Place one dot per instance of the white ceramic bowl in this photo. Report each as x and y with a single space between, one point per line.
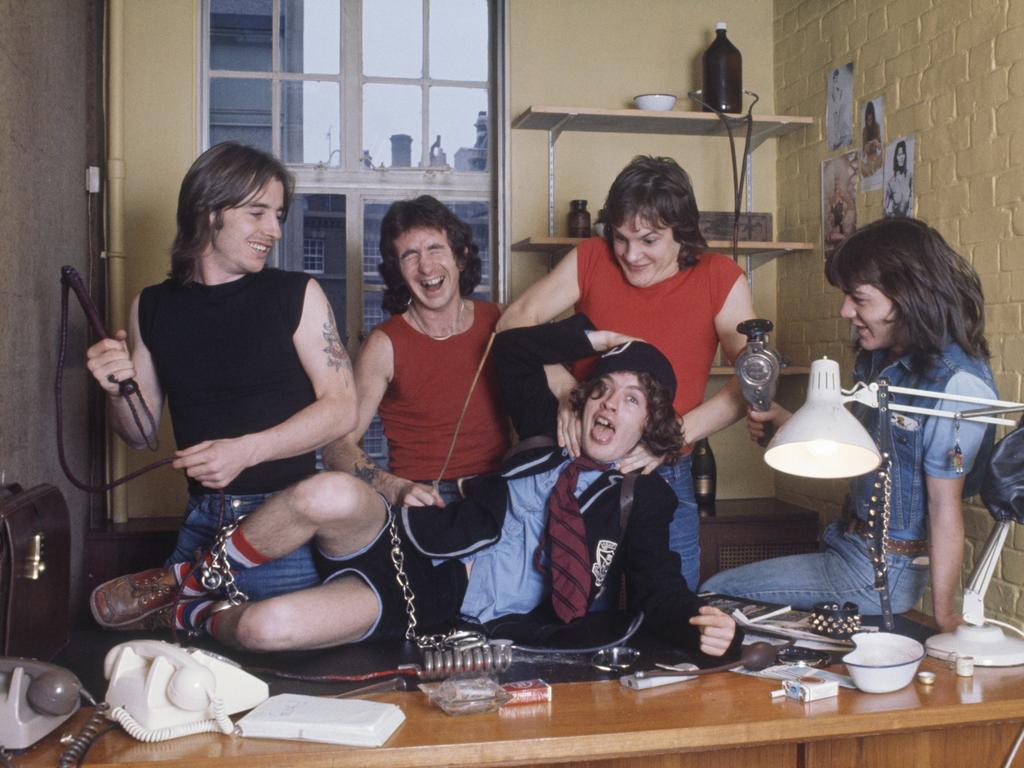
882 661
660 102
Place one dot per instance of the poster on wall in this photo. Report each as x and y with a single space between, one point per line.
898 199
872 144
838 195
839 107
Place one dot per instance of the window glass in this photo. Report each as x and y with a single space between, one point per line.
458 128
392 125
241 35
311 36
310 122
458 40
313 240
393 38
240 111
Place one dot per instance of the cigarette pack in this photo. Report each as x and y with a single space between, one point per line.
527 691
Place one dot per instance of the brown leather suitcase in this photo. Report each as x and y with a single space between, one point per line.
35 571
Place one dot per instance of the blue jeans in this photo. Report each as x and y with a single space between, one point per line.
840 572
290 573
684 530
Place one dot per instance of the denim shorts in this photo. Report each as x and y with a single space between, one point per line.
201 525
437 589
684 530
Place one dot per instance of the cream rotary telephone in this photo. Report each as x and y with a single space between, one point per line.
160 691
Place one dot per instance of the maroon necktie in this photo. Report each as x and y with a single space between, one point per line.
570 558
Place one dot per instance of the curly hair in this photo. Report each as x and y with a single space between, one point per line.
935 292
659 192
225 176
662 435
424 212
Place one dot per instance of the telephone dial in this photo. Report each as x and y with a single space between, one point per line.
160 691
35 698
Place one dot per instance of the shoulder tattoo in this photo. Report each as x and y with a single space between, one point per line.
337 357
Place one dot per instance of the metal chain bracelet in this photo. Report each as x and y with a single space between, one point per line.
217 574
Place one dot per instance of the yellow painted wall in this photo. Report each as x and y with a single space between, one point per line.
600 53
952 74
160 84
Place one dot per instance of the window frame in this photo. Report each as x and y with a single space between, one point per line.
360 185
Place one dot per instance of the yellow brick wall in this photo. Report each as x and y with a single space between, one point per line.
952 74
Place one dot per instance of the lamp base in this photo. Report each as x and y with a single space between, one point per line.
988 644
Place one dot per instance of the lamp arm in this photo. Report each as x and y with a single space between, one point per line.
984 569
867 394
963 415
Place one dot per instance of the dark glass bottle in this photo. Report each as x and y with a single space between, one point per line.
723 74
702 465
579 219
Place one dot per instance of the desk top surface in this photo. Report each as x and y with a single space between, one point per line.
598 720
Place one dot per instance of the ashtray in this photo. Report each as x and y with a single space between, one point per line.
621 658
466 695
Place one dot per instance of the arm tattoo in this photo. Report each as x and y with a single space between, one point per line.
337 357
368 472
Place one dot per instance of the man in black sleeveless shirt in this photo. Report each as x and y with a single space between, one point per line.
251 363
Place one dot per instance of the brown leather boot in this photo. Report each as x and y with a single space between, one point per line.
124 602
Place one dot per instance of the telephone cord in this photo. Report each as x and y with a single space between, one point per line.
220 722
72 755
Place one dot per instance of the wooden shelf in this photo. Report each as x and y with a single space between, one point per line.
559 246
594 120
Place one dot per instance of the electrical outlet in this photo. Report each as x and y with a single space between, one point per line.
92 179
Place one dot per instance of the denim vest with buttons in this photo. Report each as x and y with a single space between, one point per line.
908 517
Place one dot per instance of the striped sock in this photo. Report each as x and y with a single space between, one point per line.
191 615
240 553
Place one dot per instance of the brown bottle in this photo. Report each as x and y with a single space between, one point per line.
579 219
702 465
723 74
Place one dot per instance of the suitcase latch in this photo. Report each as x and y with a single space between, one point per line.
34 565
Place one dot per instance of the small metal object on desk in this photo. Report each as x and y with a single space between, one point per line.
621 658
924 677
396 683
965 666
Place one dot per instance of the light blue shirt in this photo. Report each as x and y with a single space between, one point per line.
504 579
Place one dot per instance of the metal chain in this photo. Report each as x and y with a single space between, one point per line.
455 639
217 574
398 559
886 495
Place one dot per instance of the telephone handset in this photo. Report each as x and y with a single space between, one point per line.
160 691
35 698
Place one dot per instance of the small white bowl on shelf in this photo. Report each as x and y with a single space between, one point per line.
883 661
659 102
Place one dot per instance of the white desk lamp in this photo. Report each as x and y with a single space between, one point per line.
824 440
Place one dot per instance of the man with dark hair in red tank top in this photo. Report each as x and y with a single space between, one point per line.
416 368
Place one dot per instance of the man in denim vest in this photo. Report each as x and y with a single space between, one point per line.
918 312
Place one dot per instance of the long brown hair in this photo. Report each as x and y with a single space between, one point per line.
659 192
936 294
224 176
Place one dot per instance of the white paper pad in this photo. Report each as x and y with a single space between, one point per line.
355 722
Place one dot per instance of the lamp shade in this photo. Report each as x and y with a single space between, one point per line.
823 439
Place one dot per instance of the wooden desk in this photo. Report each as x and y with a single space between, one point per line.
721 720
